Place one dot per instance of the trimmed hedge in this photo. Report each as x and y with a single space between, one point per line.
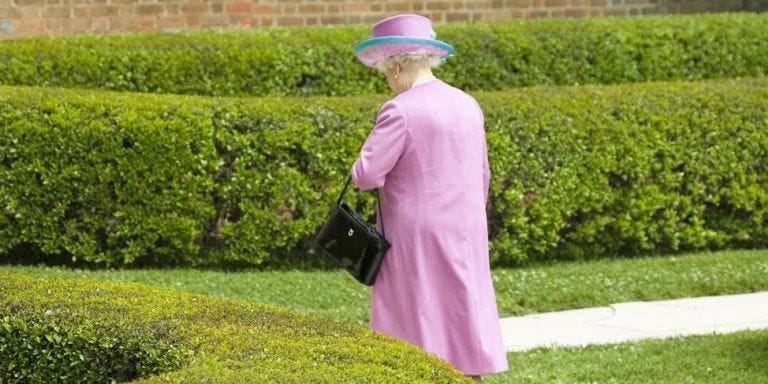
75 331
578 172
319 60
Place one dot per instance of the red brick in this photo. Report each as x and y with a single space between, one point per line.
31 2
357 7
217 7
190 7
171 22
577 12
651 11
617 11
439 6
458 5
9 13
29 12
398 7
120 24
311 8
193 19
290 20
31 25
457 17
76 24
150 9
54 24
477 5
518 3
241 19
56 11
147 22
495 16
537 14
555 3
267 22
99 24
103 10
333 8
214 20
238 7
310 21
328 20
80 12
266 9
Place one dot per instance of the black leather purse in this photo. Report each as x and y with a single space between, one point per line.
352 242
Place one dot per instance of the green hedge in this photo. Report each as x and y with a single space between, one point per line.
578 172
76 331
319 60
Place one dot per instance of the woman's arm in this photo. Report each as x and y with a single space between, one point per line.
382 148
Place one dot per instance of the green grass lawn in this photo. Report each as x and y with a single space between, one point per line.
735 358
519 291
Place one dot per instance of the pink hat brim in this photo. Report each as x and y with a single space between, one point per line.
371 55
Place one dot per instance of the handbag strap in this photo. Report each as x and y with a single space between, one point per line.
378 203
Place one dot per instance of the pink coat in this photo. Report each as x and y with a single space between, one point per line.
427 155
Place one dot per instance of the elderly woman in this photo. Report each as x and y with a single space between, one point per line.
427 157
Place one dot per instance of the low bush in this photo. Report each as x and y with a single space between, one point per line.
75 331
316 61
578 172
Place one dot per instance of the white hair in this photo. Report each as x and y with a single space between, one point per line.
417 59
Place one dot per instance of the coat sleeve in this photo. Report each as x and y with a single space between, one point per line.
486 165
486 171
382 148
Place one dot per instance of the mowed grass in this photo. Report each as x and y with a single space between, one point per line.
740 357
735 358
519 291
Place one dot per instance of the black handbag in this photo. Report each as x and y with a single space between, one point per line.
352 242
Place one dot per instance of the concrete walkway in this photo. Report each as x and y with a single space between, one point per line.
637 320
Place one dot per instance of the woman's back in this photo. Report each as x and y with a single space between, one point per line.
443 162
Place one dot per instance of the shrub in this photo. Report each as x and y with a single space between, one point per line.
317 61
74 331
578 172
105 181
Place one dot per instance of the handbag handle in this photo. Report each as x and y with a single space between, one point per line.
378 203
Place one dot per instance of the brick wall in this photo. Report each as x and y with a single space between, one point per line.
45 17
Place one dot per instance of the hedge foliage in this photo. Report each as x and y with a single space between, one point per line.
76 331
319 60
578 172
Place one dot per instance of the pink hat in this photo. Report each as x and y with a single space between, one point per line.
400 34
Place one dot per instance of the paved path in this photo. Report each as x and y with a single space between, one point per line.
637 320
